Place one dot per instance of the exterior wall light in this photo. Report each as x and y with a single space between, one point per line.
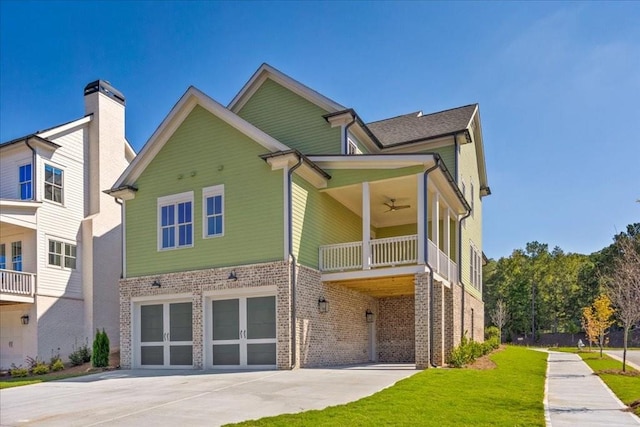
232 276
156 284
369 316
323 305
25 319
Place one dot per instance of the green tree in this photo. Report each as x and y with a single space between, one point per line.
100 357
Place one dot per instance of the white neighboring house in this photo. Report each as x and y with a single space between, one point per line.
60 235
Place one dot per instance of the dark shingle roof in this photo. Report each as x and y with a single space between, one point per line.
416 126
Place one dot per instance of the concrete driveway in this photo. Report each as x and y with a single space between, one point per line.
190 398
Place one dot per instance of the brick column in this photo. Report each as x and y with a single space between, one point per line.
125 325
449 322
283 315
197 321
438 323
422 320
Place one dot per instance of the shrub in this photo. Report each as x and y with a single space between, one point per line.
41 368
32 362
57 365
468 351
491 332
80 354
18 371
101 349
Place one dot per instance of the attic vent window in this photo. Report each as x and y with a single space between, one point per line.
352 148
419 114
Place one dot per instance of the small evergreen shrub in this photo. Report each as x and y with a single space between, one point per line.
18 371
57 365
41 368
101 349
80 354
468 351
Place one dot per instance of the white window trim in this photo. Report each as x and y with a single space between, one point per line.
214 190
65 242
172 200
44 183
352 145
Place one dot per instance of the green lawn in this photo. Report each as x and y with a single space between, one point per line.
511 394
9 382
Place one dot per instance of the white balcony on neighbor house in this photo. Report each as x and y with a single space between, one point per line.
384 253
17 286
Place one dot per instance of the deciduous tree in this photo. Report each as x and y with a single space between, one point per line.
597 319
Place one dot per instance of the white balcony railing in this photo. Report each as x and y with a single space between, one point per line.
17 283
343 256
393 251
387 252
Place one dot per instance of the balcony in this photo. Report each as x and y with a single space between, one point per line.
17 286
385 253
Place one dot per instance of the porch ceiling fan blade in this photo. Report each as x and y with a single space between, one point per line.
393 207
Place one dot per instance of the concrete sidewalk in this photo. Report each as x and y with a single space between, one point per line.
577 397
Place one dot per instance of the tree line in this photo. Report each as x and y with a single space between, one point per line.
536 290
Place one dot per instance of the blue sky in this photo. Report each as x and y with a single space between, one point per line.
558 84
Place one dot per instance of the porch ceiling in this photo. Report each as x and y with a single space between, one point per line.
380 287
403 190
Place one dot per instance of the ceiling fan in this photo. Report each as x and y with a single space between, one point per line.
393 207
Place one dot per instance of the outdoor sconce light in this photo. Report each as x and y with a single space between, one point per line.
156 284
323 305
369 315
232 276
25 319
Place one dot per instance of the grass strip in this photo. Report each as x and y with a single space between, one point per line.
511 394
17 382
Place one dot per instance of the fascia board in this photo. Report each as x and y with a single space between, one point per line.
379 161
174 119
266 71
66 127
305 171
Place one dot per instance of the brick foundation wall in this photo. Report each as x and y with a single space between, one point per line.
194 285
338 337
395 329
422 290
473 308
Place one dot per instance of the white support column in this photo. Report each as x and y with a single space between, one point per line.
435 227
447 239
422 231
366 227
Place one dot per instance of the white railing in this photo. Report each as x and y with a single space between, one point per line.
343 256
393 251
17 282
387 252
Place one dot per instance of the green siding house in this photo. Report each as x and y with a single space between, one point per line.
283 231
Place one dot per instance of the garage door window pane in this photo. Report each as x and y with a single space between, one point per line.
226 354
151 328
261 317
180 355
261 354
152 355
226 319
180 328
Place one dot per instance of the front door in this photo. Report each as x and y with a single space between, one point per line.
165 335
242 332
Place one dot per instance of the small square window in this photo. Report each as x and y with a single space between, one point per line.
53 184
62 254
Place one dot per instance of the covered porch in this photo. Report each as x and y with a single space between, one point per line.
406 221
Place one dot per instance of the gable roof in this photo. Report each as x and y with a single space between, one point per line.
174 119
266 71
414 127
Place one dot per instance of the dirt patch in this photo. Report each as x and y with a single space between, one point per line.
483 363
114 363
619 372
634 406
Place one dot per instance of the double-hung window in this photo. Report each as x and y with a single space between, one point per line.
16 256
175 221
62 254
53 183
213 211
25 182
3 257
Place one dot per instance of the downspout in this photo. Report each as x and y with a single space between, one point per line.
460 270
34 169
293 260
425 178
346 134
122 237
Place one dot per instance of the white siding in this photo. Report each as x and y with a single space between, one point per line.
10 160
